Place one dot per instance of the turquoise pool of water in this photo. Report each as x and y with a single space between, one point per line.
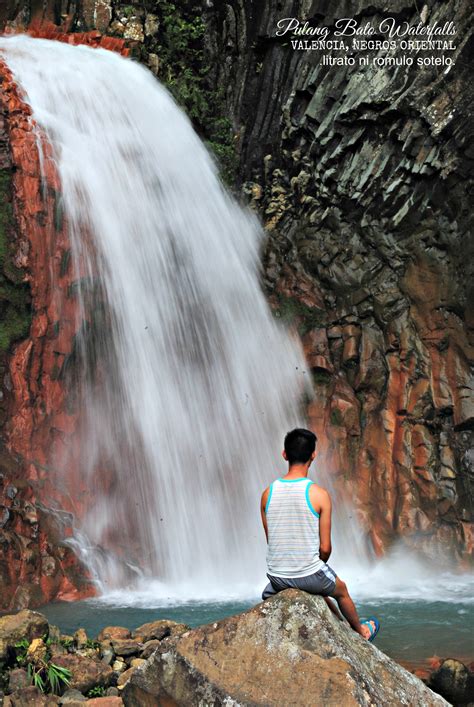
411 632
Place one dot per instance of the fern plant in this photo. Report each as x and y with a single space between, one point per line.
21 649
36 678
49 677
57 677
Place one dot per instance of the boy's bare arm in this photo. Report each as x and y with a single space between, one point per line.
321 502
263 503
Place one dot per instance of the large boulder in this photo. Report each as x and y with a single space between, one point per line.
25 625
289 650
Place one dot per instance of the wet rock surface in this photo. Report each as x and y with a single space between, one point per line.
35 564
279 652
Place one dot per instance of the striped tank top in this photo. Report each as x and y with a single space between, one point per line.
293 529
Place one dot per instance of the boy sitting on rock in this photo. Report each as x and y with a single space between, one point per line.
296 516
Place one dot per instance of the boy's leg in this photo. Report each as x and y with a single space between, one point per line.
275 585
348 610
333 608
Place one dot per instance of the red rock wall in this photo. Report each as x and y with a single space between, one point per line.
40 426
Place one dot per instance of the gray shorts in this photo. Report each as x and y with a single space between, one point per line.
321 582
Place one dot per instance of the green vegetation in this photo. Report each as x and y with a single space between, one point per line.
336 418
57 676
21 649
185 72
321 377
66 641
294 312
36 678
49 677
45 675
97 691
127 11
14 294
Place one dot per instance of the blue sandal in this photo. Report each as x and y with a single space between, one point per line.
373 631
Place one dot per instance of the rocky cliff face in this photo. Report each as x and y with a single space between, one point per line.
362 178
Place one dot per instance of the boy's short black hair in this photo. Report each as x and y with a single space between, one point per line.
299 445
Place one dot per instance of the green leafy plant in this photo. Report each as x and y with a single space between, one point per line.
48 642
21 649
91 643
49 677
97 691
180 45
57 677
36 678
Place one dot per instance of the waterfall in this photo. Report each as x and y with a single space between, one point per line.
187 382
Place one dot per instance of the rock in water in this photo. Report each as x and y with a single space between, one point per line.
289 650
455 681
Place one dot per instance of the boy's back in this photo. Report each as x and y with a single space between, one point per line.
293 529
296 516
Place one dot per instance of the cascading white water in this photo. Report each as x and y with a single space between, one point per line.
198 381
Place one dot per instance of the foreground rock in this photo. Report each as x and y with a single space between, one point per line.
96 670
157 630
86 673
30 697
26 625
289 650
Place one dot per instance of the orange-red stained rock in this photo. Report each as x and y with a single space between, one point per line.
38 420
